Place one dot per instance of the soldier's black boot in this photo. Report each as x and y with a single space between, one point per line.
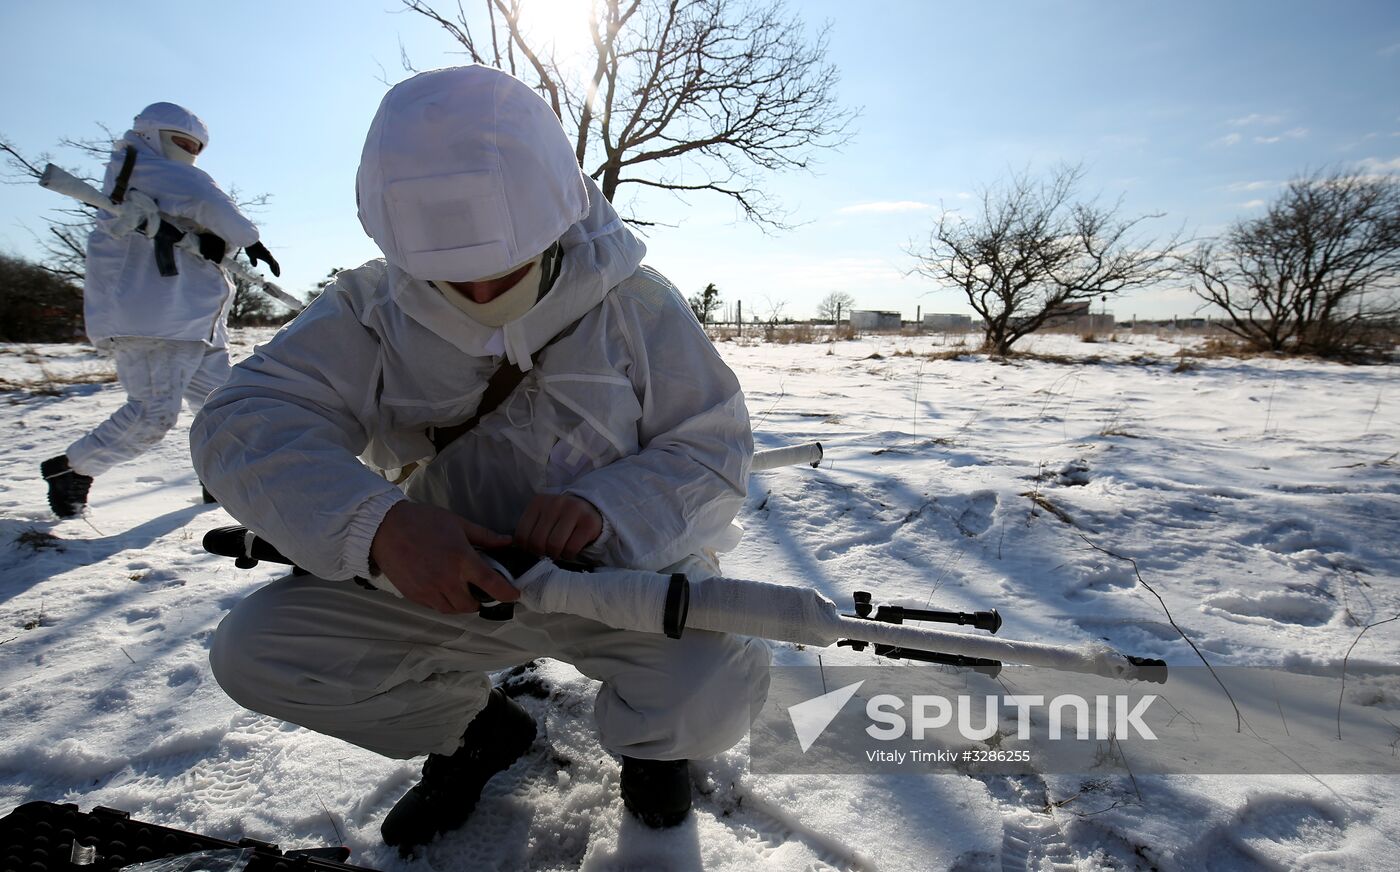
656 792
68 490
499 735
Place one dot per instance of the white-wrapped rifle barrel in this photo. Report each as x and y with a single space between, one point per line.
809 453
63 182
651 602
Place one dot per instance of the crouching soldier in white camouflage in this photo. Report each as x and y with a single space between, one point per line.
552 393
162 311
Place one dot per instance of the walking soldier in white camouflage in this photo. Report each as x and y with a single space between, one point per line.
160 310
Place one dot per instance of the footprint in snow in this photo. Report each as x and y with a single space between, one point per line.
1275 832
1099 578
1295 535
230 777
1290 607
976 519
183 675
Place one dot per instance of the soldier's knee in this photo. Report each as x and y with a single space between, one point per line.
153 421
723 683
234 654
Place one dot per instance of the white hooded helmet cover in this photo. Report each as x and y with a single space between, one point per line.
466 172
168 116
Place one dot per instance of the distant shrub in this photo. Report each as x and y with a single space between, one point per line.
37 305
787 334
254 308
956 352
1225 346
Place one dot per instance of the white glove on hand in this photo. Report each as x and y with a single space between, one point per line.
134 209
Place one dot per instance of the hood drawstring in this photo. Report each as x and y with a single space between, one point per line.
529 391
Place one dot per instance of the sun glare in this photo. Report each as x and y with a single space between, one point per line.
562 24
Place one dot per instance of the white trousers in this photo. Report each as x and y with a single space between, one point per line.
403 680
157 374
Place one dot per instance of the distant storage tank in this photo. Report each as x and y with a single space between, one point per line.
948 323
870 319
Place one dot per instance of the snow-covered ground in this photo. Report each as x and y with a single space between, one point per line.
1259 497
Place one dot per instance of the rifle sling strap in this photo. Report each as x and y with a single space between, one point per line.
124 177
166 237
500 386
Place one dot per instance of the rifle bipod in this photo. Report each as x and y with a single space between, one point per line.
989 621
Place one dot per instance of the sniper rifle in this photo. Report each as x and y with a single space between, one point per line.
651 602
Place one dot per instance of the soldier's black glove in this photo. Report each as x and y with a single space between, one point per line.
257 251
212 246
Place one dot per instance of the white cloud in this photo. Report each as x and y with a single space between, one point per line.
1251 186
1232 139
1253 204
1376 165
883 207
1390 50
1295 133
1255 118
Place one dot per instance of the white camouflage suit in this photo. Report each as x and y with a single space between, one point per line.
632 410
167 334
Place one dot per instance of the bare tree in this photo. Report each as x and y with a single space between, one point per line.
1035 251
676 95
65 244
773 310
1316 273
705 303
834 305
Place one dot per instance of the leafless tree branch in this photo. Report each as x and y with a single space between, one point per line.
682 95
1318 273
1034 251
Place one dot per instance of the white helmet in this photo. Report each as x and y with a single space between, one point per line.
466 173
160 123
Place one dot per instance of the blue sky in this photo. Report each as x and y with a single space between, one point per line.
1196 109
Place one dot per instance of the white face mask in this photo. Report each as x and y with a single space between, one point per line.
507 307
174 151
